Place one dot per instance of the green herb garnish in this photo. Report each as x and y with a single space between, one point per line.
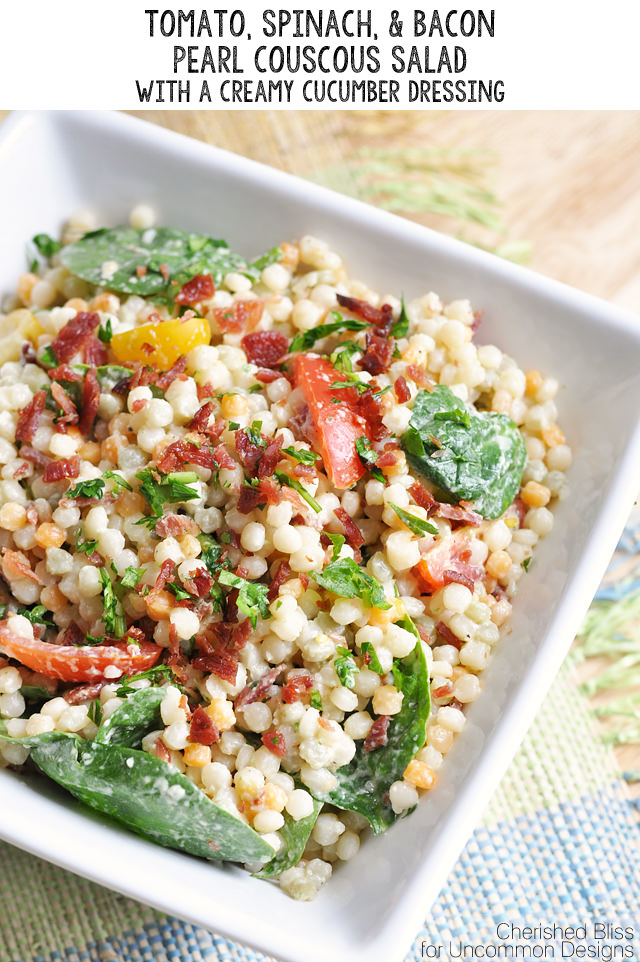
113 612
160 489
252 595
304 494
87 489
305 340
345 666
347 579
369 457
416 525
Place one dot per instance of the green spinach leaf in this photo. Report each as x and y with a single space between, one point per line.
133 719
295 836
363 784
348 580
470 456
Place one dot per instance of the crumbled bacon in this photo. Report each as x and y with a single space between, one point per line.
90 402
447 635
388 458
200 421
352 532
67 468
424 498
29 417
199 288
240 316
186 452
401 389
39 458
135 635
369 408
74 334
304 470
459 577
274 740
173 525
379 316
199 586
94 352
377 736
16 565
265 348
163 381
28 353
219 646
65 404
378 354
444 690
164 270
80 693
202 729
270 458
248 451
64 372
458 512
167 569
72 635
258 691
419 375
297 684
265 492
161 751
266 376
222 457
301 423
281 575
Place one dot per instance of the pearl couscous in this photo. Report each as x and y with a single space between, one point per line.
260 527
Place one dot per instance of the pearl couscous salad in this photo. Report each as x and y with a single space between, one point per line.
260 527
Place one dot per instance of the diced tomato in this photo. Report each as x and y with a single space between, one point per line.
336 422
67 663
450 556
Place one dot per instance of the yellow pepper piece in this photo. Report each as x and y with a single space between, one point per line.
161 344
16 328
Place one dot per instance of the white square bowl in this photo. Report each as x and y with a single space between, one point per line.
54 163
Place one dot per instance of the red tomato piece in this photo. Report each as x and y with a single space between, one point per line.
337 425
67 663
440 564
199 288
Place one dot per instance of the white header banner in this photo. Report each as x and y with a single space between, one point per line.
505 54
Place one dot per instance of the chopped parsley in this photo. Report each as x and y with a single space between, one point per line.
401 326
416 525
119 483
369 457
252 595
48 357
87 489
95 711
304 456
351 380
370 658
113 612
305 340
106 333
132 577
346 668
347 579
179 591
38 615
337 540
156 675
304 494
316 699
160 489
526 563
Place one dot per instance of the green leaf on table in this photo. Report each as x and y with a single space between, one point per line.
469 455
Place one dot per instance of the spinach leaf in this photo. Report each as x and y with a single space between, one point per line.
345 666
147 795
363 784
46 245
295 836
162 252
348 580
133 719
469 455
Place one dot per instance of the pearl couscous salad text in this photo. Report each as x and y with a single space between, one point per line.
260 527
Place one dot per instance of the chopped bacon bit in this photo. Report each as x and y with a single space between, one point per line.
352 532
266 376
379 316
274 740
164 270
141 270
388 459
29 417
240 316
222 457
199 288
450 574
64 373
220 646
377 736
200 585
28 353
73 635
258 691
401 388
32 514
419 375
270 458
73 335
186 452
264 493
200 420
136 635
205 391
478 317
162 381
424 498
304 470
301 423
138 405
203 729
16 565
448 636
296 685
141 377
69 410
249 452
265 348
80 693
94 352
378 354
63 468
519 510
161 751
90 402
22 471
457 512
39 458
369 408
167 569
281 575
173 525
